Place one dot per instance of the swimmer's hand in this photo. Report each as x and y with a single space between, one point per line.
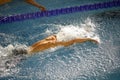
42 8
95 41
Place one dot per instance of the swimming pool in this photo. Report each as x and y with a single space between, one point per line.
86 61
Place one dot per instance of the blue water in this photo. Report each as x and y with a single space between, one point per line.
86 61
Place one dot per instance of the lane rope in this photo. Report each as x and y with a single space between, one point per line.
56 12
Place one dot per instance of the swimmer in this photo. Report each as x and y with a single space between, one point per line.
51 42
32 2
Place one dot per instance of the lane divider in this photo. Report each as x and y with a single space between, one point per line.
56 12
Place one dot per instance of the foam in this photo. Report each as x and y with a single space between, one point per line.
5 51
9 58
86 30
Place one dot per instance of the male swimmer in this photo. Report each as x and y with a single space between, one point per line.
52 41
32 2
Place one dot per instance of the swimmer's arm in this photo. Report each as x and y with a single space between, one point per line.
32 2
4 1
68 43
38 43
84 40
40 47
45 41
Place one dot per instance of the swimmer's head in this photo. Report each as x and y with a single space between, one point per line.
19 51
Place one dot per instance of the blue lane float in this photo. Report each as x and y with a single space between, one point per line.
56 12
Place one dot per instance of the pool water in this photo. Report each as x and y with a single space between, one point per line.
82 61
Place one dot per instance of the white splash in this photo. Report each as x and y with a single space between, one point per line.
8 60
86 30
6 51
